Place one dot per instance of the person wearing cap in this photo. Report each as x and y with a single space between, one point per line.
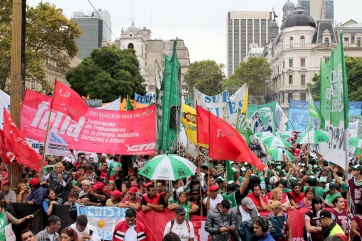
152 200
9 195
114 199
95 196
220 223
60 181
355 186
213 198
37 194
329 226
130 229
131 200
234 195
322 183
332 192
180 226
258 198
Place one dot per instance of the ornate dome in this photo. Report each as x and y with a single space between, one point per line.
132 29
289 4
299 18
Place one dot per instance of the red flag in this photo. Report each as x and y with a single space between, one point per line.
68 101
202 121
3 152
16 145
225 143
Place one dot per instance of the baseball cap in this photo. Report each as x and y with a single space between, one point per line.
5 182
243 169
322 179
297 152
357 167
147 184
98 186
116 193
248 202
323 214
82 156
246 164
213 188
34 181
330 186
180 210
133 190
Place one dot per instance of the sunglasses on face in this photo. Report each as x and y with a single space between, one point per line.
182 214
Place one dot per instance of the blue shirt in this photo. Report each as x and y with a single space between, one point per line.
267 237
38 195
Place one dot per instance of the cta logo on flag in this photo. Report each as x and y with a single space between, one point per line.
68 101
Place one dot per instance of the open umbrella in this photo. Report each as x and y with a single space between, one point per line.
355 144
262 135
168 167
284 134
275 142
278 153
316 136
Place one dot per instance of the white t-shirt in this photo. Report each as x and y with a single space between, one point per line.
245 216
130 234
181 230
51 236
95 236
214 202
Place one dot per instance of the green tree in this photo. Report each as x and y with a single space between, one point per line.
354 75
206 76
49 38
107 73
256 72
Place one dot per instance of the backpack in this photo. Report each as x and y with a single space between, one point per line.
276 226
187 225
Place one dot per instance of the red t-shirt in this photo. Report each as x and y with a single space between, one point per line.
256 200
137 201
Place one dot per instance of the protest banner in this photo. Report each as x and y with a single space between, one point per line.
262 117
144 99
215 104
105 131
298 116
4 104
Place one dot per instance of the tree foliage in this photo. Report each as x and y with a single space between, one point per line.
206 76
256 72
354 80
108 73
49 38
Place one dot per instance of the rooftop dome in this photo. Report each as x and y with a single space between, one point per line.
132 29
299 18
289 4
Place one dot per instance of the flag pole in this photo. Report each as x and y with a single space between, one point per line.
208 166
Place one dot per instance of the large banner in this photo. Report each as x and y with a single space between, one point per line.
262 117
144 99
128 132
298 116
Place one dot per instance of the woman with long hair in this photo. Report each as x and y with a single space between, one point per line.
313 228
114 199
183 202
68 234
307 201
125 187
278 195
50 200
22 192
340 213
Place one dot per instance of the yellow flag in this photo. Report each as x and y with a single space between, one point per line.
188 118
244 108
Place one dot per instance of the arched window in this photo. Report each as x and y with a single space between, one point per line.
326 42
130 46
291 41
302 41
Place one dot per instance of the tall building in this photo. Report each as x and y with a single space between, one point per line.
245 30
94 30
319 9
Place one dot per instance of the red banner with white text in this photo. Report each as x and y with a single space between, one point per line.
106 131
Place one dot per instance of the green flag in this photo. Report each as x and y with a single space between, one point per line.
315 115
334 106
229 172
171 104
128 104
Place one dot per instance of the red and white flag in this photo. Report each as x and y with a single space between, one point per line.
17 147
225 143
3 151
68 101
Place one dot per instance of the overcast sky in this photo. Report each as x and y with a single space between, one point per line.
200 23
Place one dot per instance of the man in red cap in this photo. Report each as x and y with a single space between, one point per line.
152 200
9 195
131 200
95 196
37 194
213 198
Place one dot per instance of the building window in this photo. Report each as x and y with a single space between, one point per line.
32 84
302 41
283 64
346 42
302 62
290 97
302 79
358 42
291 41
326 42
290 79
302 97
130 46
290 63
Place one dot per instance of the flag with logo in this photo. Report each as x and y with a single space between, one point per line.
315 117
17 147
171 103
68 101
334 107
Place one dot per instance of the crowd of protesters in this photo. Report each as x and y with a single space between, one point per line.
233 208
